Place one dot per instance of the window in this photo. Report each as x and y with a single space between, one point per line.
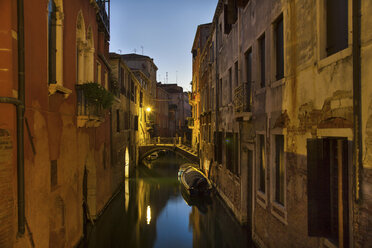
328 189
279 169
53 175
136 122
218 147
236 155
261 47
230 85
261 163
227 21
141 99
118 120
99 77
248 86
52 43
336 26
122 81
229 148
132 90
279 48
236 74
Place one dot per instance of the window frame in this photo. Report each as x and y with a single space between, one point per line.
261 197
275 76
261 43
277 209
322 58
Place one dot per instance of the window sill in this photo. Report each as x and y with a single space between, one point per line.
57 88
334 58
261 199
280 212
278 83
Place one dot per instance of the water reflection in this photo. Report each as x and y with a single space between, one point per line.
151 212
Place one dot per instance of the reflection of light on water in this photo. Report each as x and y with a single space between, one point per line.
148 216
126 194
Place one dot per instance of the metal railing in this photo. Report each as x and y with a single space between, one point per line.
85 107
243 97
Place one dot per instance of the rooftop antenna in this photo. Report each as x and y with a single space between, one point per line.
142 49
166 77
119 51
135 50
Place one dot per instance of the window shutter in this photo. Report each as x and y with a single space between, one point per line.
227 25
345 190
318 188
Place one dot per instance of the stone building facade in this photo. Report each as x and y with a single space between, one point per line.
290 120
56 170
162 111
179 110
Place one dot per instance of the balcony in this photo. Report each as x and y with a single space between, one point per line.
190 122
243 100
104 5
89 114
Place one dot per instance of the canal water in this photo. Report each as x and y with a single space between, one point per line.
151 211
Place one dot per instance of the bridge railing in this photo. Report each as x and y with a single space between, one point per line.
167 141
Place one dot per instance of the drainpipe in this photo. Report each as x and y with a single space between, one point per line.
357 100
20 103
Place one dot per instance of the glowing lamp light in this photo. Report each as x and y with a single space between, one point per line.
148 215
148 109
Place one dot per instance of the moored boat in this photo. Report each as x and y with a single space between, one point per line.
194 181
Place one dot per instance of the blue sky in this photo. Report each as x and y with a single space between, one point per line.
164 28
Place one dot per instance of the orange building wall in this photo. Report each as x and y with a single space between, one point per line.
54 215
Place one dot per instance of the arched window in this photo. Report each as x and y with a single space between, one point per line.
52 43
80 49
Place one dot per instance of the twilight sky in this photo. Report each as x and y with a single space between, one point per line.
164 28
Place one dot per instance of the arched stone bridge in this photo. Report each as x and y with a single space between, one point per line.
182 150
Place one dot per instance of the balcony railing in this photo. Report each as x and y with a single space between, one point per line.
105 18
243 98
89 113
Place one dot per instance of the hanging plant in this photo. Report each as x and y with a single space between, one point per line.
97 94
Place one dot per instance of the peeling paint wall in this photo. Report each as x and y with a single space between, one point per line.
314 99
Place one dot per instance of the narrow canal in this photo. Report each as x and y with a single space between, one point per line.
150 211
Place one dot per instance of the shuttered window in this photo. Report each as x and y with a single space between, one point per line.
229 148
337 25
279 169
261 163
327 187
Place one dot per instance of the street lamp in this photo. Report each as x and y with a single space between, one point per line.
148 109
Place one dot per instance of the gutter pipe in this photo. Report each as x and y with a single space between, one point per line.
20 108
357 99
